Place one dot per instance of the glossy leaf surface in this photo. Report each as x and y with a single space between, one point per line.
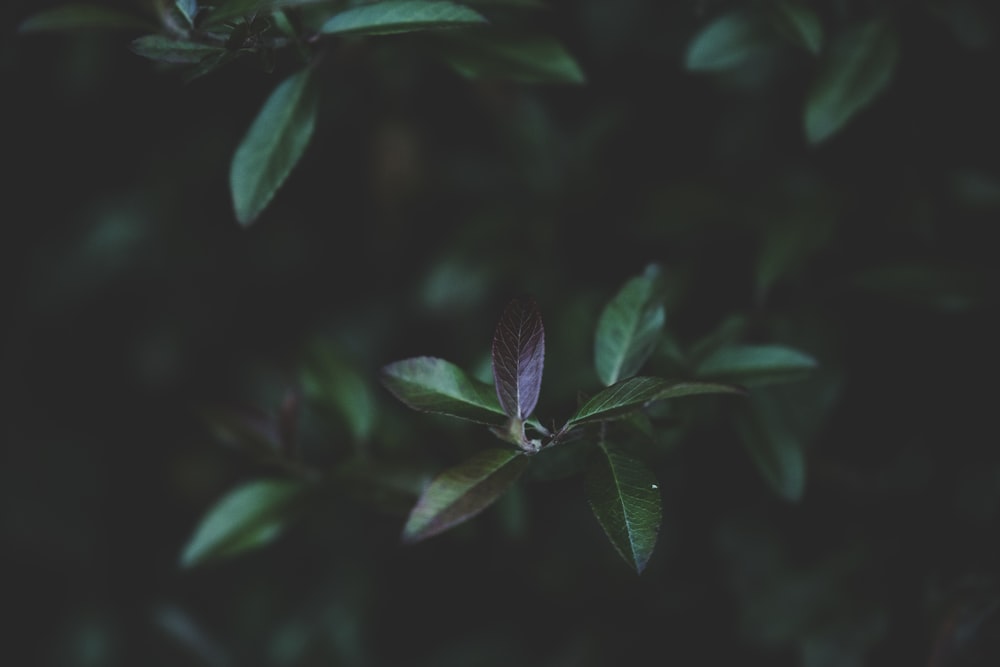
461 492
430 384
628 330
625 498
621 398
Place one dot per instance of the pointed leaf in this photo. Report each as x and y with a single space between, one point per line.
859 66
461 492
625 498
394 16
798 23
628 329
188 9
273 145
430 384
209 64
520 58
518 357
247 517
83 17
619 399
727 43
775 449
168 50
756 364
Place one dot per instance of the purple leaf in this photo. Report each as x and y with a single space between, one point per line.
462 492
518 357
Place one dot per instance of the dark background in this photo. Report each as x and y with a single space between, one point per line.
424 203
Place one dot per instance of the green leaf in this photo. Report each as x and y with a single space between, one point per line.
798 23
461 492
209 64
727 43
429 384
247 517
83 17
625 498
188 9
520 58
628 329
332 382
395 16
621 398
167 50
775 448
755 365
273 145
859 66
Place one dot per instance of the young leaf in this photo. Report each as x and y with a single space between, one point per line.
429 384
188 9
248 517
798 23
518 357
755 364
624 496
774 447
726 43
273 145
619 399
395 16
83 17
859 67
520 58
461 492
628 330
168 50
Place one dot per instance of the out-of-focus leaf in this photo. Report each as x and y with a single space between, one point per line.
227 10
331 381
395 16
518 358
797 22
392 489
625 498
788 244
944 288
248 517
968 20
520 58
209 64
188 9
628 329
630 394
247 429
168 50
273 145
776 450
430 384
83 17
727 43
755 365
859 65
461 492
728 332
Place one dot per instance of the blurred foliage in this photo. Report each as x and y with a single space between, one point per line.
138 310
